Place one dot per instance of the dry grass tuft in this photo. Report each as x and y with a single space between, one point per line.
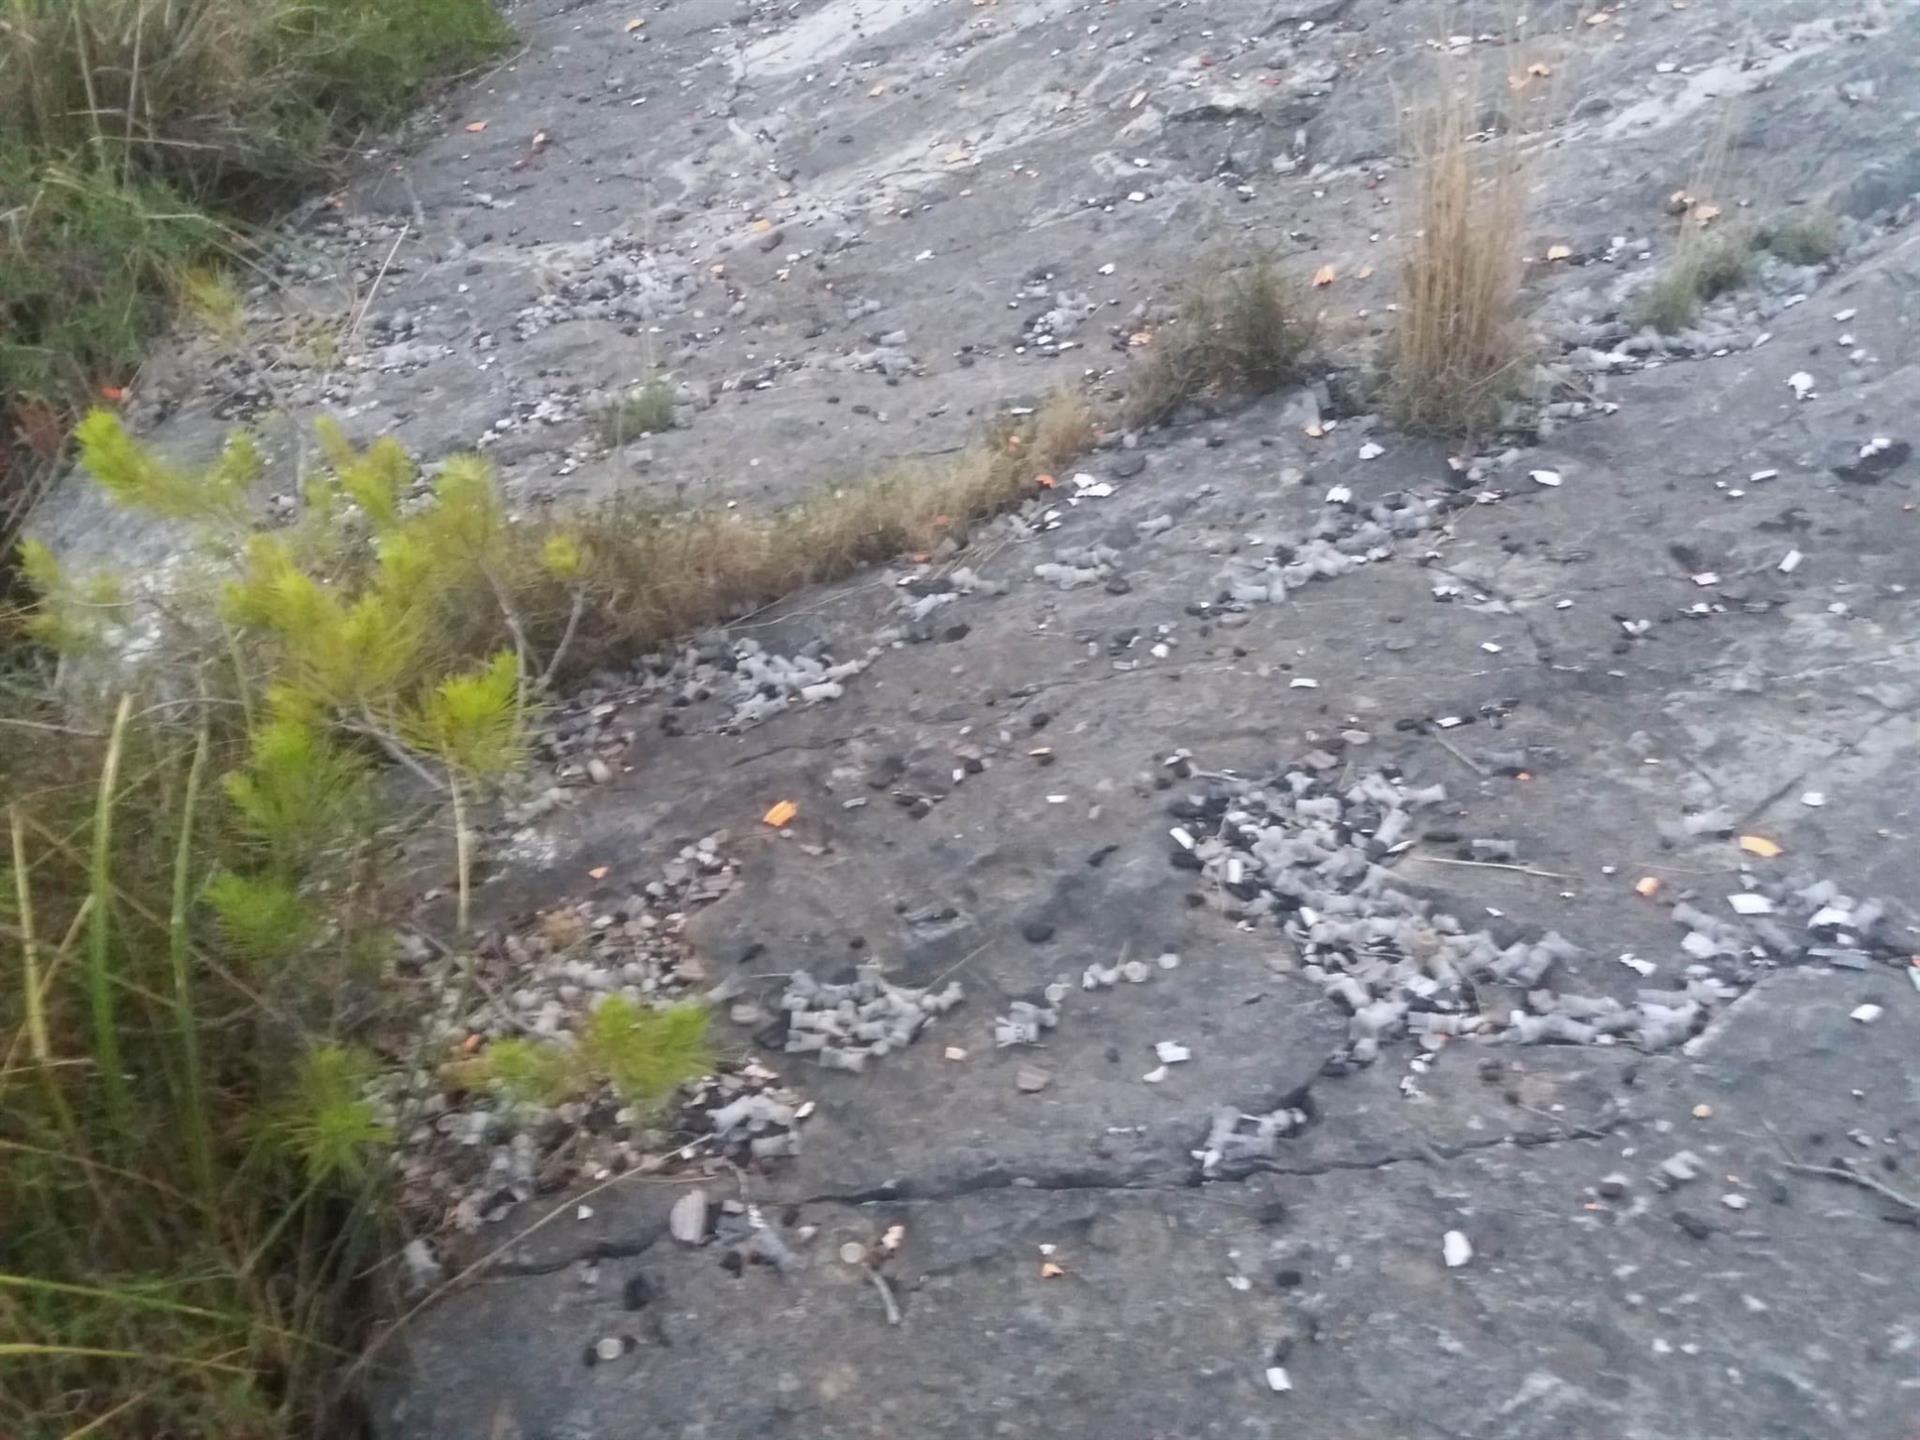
1241 332
648 577
1459 349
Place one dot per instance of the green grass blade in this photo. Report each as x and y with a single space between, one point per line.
39 1047
106 1031
90 1352
193 1094
131 1299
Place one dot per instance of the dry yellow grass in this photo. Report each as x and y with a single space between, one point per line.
650 577
1458 349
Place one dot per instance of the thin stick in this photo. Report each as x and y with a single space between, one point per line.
1835 1172
974 953
1854 1177
1459 754
1585 1132
446 1286
1489 865
886 1295
395 751
374 289
566 638
463 853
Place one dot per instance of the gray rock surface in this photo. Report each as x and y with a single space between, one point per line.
1611 678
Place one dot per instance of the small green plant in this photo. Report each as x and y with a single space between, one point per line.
214 302
642 1053
326 1118
189 1154
1805 237
1243 331
1704 267
647 411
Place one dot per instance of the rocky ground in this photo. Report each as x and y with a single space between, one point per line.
1449 919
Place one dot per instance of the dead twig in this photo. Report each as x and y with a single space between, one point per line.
447 1286
886 1296
1585 1132
374 290
1854 1177
1842 1174
1489 865
1457 753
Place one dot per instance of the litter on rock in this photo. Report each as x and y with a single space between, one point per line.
1747 903
1866 1014
781 815
1759 845
1455 1249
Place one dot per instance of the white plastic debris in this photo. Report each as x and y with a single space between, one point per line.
424 1270
1814 799
1802 384
1371 451
1455 1249
1155 1075
1747 903
1300 682
1790 562
1172 1052
1706 578
1278 1380
687 1221
607 1348
1866 1014
1548 478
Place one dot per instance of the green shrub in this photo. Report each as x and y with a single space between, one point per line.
90 264
190 1161
1806 237
1703 268
644 1054
647 411
217 97
136 136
